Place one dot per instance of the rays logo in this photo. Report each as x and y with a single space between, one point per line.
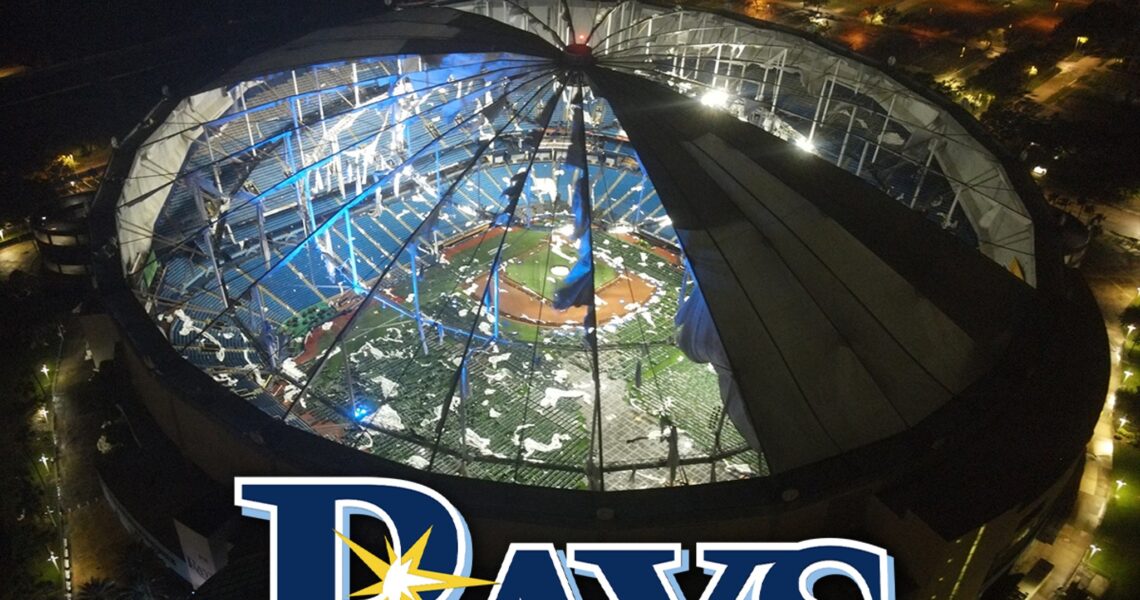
428 553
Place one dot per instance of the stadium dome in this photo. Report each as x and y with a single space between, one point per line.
579 245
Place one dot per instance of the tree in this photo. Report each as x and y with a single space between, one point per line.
100 589
144 577
1130 316
143 588
1109 27
24 587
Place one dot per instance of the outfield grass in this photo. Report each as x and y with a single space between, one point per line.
501 411
438 281
532 270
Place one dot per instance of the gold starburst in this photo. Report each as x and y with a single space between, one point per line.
400 578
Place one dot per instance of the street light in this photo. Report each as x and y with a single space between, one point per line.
44 369
1093 549
1130 328
1081 41
1123 422
1127 374
1119 484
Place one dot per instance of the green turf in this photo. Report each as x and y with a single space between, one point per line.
533 270
1116 535
504 411
529 244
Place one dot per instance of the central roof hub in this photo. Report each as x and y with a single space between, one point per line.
578 55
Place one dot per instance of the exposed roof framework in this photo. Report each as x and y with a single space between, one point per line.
476 248
839 108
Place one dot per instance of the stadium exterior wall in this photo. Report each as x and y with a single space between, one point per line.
204 425
225 436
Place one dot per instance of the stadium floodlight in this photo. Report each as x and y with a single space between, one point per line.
805 145
715 98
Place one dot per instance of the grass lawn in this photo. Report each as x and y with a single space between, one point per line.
1117 536
533 269
47 570
44 478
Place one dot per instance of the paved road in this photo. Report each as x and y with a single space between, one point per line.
21 256
98 540
1120 220
1072 71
